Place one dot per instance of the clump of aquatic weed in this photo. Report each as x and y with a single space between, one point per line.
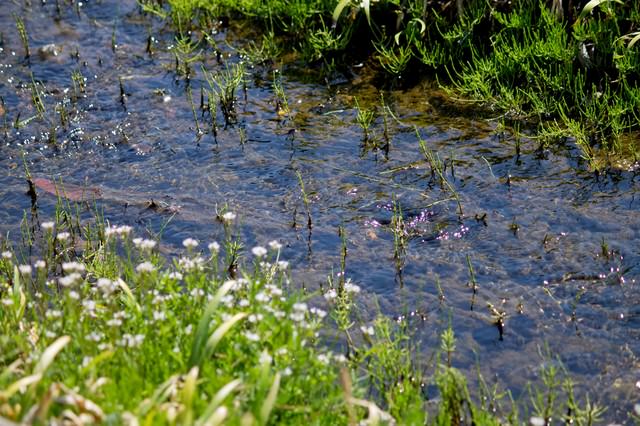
570 71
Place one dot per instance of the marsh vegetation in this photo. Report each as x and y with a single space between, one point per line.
278 212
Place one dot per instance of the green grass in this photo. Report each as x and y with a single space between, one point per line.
99 326
566 75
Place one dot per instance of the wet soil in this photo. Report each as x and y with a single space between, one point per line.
532 225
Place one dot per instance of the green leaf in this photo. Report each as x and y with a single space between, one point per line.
270 400
338 10
220 332
592 5
634 40
202 330
50 354
214 411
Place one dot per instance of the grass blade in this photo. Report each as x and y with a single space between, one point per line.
50 354
203 325
592 5
220 332
270 401
187 394
338 10
128 298
217 418
20 385
634 40
212 410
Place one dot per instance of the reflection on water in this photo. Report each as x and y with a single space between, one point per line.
532 227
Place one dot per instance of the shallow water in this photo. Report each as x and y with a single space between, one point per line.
549 275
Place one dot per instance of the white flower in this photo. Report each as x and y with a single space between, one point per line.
259 251
40 264
243 303
63 236
229 216
25 269
283 265
300 307
114 322
190 243
275 245
73 267
262 297
331 295
106 286
74 295
124 230
191 264
145 267
274 290
318 312
70 279
47 226
7 255
349 287
214 247
53 313
94 336
121 231
296 316
131 341
188 329
367 330
287 371
265 358
144 244
253 318
340 358
197 292
159 315
110 230
175 276
252 337
323 358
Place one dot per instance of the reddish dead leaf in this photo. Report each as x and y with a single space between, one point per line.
68 191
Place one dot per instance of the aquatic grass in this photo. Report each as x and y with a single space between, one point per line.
281 102
305 200
438 169
569 69
199 132
24 37
223 86
400 239
364 118
186 53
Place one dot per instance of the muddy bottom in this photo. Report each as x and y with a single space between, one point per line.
551 246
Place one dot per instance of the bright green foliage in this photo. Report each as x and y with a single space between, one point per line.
571 73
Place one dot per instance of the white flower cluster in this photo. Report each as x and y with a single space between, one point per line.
118 231
144 244
145 268
190 243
